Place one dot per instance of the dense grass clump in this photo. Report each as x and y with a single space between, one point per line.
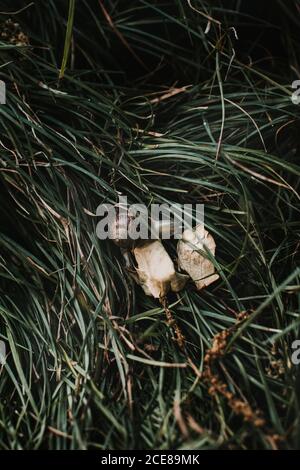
162 101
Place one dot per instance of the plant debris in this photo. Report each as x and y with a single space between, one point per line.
12 33
216 386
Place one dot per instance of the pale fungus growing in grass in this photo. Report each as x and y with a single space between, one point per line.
154 269
194 251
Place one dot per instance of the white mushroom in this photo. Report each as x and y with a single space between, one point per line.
155 270
196 264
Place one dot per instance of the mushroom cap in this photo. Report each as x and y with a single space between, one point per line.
156 271
198 265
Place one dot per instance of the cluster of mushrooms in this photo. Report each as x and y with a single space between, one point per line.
151 266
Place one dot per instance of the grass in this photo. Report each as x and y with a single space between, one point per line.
162 103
